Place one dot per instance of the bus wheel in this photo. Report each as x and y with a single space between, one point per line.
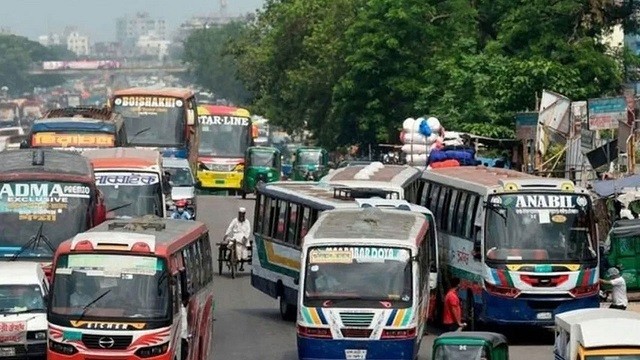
287 311
470 312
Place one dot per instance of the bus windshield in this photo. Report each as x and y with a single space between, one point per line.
613 357
224 140
7 113
111 286
56 210
153 125
20 299
539 227
180 176
131 194
342 276
262 158
310 158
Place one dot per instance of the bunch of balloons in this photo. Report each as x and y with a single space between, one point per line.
419 137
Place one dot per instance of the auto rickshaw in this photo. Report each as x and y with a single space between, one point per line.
261 164
310 164
470 345
624 250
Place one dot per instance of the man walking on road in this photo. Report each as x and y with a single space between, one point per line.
452 315
619 289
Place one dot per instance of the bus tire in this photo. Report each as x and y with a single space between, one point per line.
470 312
287 311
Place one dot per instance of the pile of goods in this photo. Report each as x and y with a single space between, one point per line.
425 143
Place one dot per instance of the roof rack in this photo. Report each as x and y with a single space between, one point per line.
349 193
91 112
139 224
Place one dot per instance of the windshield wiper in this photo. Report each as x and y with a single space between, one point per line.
86 307
29 311
119 207
140 132
34 243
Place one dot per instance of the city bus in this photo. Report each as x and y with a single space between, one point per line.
118 289
132 181
285 211
404 180
76 129
225 134
524 247
160 118
341 314
46 197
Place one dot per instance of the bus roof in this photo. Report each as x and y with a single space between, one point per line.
484 179
167 91
162 236
393 204
207 109
352 176
173 162
73 124
88 112
55 162
393 226
122 158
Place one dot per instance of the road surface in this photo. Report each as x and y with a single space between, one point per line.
248 324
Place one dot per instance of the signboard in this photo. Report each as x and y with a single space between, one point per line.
348 255
526 125
605 113
57 140
223 120
13 332
126 179
39 201
148 101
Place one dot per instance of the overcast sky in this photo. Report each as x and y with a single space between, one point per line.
97 18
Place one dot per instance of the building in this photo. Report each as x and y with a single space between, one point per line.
50 40
204 22
148 45
130 28
106 50
78 44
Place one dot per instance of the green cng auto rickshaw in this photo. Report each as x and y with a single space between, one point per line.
261 164
624 250
310 164
470 345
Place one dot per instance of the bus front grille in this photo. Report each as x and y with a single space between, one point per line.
106 342
356 319
356 333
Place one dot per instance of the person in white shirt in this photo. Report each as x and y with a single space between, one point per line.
619 289
184 330
238 233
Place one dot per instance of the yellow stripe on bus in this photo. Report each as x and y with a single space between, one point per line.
274 258
399 317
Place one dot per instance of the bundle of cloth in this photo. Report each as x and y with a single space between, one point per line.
420 137
452 155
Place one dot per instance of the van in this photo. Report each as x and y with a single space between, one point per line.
23 310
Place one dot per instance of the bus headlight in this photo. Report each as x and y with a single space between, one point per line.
151 351
62 348
37 335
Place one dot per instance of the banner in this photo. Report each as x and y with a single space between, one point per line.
148 101
13 332
126 179
223 120
605 113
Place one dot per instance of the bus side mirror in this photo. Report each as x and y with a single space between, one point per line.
191 117
24 144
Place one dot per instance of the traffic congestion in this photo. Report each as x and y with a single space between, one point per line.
320 180
120 222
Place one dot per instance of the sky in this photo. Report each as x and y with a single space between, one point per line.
97 18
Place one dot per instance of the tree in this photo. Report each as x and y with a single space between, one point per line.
210 63
17 54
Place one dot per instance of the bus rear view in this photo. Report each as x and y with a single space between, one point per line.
364 288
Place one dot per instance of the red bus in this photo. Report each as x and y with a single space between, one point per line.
118 291
46 197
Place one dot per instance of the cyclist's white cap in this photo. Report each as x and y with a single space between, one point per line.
242 210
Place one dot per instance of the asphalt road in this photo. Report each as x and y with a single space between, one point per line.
248 324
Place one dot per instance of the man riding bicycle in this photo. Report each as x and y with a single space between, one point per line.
238 233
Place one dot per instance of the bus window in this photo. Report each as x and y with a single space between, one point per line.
434 192
461 217
304 223
206 257
424 193
291 226
442 208
281 226
273 219
451 214
472 206
258 213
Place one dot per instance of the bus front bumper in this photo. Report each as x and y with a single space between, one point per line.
531 310
316 349
35 349
220 180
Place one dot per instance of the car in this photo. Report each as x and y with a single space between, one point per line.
183 184
23 309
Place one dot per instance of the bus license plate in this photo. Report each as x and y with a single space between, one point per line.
544 316
7 351
352 354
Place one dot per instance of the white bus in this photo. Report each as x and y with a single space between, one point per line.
393 181
524 247
285 211
341 314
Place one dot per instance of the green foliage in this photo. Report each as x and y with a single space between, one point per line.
352 70
211 65
17 54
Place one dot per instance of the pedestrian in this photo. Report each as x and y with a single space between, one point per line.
452 314
618 289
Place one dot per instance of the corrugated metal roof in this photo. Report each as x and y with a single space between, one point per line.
368 223
169 230
483 175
